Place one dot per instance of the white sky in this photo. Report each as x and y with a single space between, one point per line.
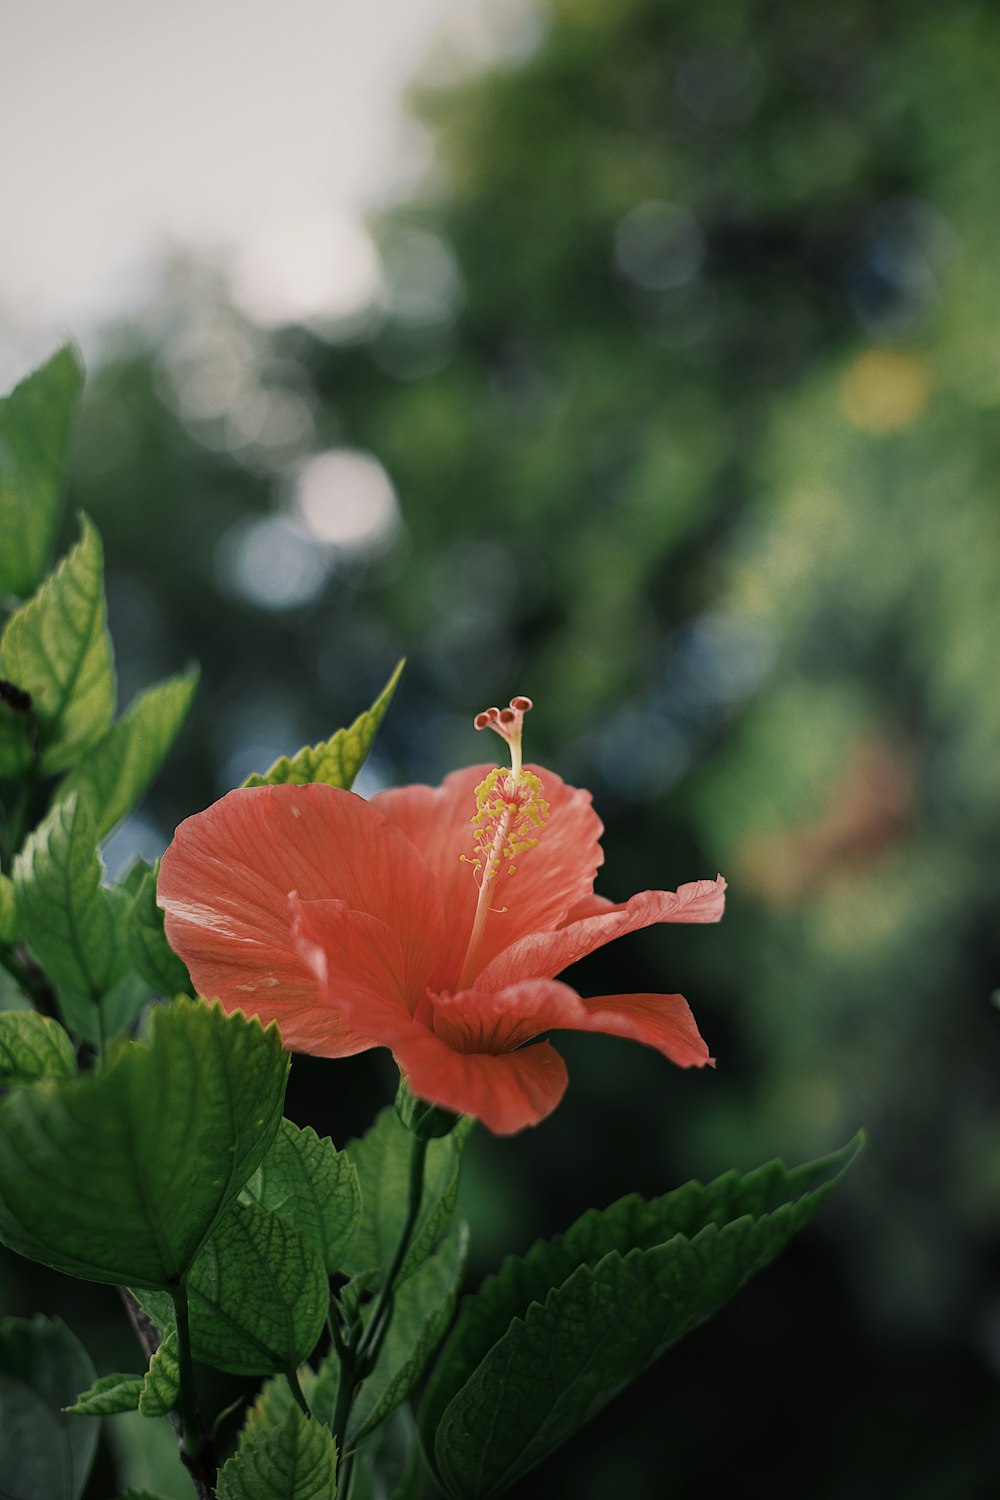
252 129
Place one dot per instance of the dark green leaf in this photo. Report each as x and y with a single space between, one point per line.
544 1345
337 760
258 1295
162 1380
382 1157
149 950
107 1396
114 774
46 1454
122 1176
313 1186
421 1312
57 649
31 1047
36 421
295 1460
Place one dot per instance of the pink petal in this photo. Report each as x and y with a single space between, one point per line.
473 1021
550 879
507 1091
226 878
545 954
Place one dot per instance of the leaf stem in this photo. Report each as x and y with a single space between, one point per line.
187 1396
292 1376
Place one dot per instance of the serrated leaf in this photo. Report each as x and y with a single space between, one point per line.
68 918
382 1157
122 1176
149 951
296 1460
57 648
45 1452
10 917
338 760
114 774
36 421
306 1181
495 1409
258 1295
319 1387
107 1396
162 1380
421 1311
32 1047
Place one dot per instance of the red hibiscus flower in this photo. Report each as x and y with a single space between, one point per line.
430 920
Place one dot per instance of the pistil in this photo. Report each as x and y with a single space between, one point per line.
510 813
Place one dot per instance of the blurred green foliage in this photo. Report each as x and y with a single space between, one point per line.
684 374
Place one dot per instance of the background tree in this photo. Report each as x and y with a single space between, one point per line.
684 378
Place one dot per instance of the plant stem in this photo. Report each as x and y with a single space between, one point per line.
371 1341
358 1361
202 1467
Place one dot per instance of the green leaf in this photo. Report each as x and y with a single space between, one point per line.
10 917
36 422
306 1181
57 648
119 1006
107 1396
421 1311
382 1157
122 1176
258 1295
547 1343
114 774
68 918
295 1460
162 1381
140 1495
338 760
32 1047
149 950
45 1452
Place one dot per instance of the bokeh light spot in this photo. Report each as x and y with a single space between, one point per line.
346 498
658 245
885 391
271 562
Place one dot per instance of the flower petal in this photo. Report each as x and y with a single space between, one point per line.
550 879
472 1021
225 881
359 969
506 1090
545 954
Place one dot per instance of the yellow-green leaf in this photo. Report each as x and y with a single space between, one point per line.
57 649
338 760
114 774
33 1047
